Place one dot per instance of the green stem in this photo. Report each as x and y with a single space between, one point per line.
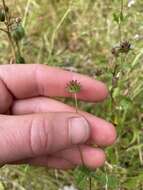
90 183
76 103
79 148
120 24
80 151
18 48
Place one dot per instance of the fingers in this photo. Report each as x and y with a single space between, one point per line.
5 98
92 157
38 134
70 158
47 161
24 81
103 133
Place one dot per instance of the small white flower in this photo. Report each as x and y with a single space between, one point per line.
137 37
69 188
131 2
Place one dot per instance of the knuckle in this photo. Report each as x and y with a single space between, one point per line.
39 135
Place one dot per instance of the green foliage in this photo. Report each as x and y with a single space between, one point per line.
82 176
111 182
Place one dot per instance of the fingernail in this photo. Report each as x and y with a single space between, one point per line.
79 130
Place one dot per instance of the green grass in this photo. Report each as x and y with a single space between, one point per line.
80 34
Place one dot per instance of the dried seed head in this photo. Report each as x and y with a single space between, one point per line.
125 47
73 87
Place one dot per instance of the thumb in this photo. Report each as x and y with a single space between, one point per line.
38 134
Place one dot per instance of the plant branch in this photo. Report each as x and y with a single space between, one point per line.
7 24
3 30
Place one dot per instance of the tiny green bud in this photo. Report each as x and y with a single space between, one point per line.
18 33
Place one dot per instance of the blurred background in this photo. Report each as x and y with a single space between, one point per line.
91 37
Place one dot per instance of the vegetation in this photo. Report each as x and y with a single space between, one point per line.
104 40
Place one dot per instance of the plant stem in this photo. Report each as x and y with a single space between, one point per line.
114 82
120 24
7 24
3 30
76 106
80 151
90 183
18 48
76 103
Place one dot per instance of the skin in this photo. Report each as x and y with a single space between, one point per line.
29 115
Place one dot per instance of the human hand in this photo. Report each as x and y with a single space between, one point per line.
38 130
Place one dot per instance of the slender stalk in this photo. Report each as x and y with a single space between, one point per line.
76 106
18 48
120 24
76 103
114 80
90 183
80 151
106 185
140 151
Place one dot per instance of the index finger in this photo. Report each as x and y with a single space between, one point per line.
25 81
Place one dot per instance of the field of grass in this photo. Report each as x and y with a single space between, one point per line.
81 35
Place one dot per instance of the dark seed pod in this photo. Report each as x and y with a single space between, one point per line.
6 9
20 59
115 51
125 47
2 15
18 33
